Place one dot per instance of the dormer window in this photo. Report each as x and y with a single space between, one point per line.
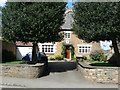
67 34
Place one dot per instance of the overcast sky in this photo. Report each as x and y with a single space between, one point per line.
2 2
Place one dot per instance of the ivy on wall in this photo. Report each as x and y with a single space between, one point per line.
72 50
63 50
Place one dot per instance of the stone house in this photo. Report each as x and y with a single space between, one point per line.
80 47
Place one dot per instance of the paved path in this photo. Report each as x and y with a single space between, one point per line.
63 79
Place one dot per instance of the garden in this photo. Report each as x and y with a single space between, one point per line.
98 58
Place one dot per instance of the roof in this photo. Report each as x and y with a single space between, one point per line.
68 20
19 43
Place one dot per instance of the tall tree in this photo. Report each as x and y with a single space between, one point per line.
0 22
33 22
95 21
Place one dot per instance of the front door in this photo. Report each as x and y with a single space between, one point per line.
68 53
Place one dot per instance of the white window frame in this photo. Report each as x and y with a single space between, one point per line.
66 34
46 45
84 48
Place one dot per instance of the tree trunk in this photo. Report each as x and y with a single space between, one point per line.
34 53
116 52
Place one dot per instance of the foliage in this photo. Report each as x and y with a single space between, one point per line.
14 62
63 53
36 22
33 22
59 57
102 64
72 51
98 55
95 21
56 57
51 58
74 59
0 22
84 58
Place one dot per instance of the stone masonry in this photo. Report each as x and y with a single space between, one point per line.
22 70
101 74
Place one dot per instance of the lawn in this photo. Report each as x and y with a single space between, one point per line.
14 62
101 64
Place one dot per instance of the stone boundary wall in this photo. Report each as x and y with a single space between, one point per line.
22 70
100 74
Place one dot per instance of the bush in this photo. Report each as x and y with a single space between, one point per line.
51 58
84 58
59 57
98 55
74 59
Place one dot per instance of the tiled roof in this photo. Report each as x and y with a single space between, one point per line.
68 20
19 43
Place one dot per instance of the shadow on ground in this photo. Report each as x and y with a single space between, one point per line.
61 66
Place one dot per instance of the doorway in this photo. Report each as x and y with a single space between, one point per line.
67 55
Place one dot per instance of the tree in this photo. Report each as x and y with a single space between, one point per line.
33 22
0 22
95 21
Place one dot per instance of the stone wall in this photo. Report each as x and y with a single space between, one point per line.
22 70
100 74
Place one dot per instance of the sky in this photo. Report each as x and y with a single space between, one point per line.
2 2
69 4
105 45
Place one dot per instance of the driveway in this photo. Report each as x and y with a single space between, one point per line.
62 75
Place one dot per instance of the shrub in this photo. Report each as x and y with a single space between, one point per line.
74 59
51 58
98 55
63 53
84 58
72 51
59 57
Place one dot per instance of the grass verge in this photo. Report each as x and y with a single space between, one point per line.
14 62
99 63
102 64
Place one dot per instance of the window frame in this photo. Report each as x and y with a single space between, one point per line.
85 48
67 34
48 46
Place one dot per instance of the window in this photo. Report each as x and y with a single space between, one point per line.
84 48
67 34
47 47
